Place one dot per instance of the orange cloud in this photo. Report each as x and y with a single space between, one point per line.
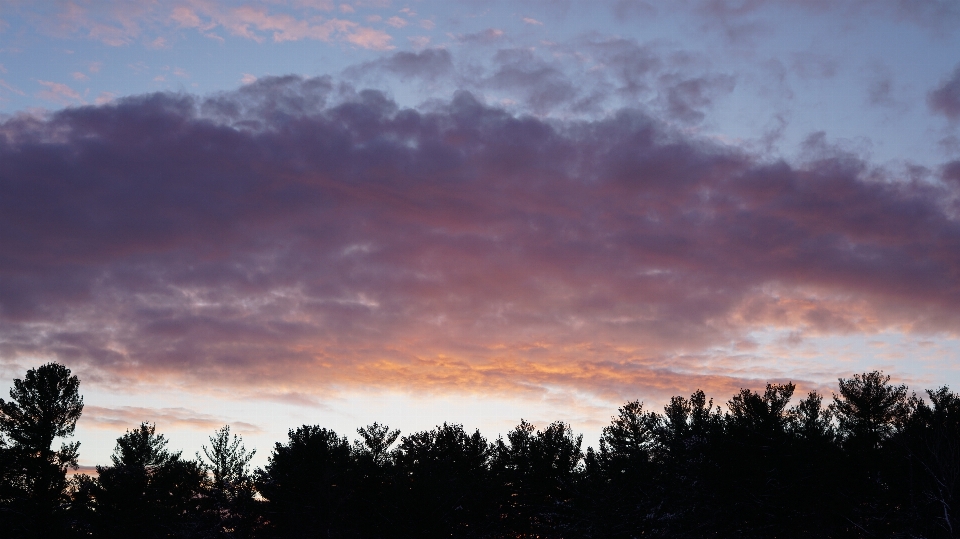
131 416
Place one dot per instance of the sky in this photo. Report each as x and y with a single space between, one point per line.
312 212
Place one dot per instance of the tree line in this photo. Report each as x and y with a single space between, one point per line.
875 461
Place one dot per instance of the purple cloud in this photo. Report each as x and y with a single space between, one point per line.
544 86
428 64
293 236
945 98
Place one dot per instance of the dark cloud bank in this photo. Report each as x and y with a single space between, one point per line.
299 234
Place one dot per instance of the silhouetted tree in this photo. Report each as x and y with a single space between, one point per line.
620 475
376 503
441 484
148 491
816 460
231 492
537 473
811 422
875 463
758 488
375 443
931 440
869 412
44 405
689 438
869 409
307 484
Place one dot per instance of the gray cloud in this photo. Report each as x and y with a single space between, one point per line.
945 98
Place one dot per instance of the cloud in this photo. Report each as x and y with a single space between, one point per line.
541 84
122 23
129 417
419 42
397 22
368 38
112 23
484 37
252 22
104 98
678 83
685 98
428 64
297 236
10 88
945 98
58 93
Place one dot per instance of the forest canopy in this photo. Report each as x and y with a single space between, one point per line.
873 460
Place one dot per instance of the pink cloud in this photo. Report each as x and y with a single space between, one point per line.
104 98
130 416
419 42
124 22
369 38
10 88
397 22
113 24
297 237
59 93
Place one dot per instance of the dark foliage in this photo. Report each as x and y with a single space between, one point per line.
43 406
875 462
148 492
308 484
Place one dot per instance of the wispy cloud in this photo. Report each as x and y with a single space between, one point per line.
59 93
130 417
397 22
124 23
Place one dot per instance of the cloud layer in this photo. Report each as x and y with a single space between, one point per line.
298 236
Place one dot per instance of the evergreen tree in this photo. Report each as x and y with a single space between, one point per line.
308 484
44 405
441 483
148 491
231 491
870 412
537 473
621 475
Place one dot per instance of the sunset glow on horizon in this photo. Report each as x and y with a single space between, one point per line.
306 212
